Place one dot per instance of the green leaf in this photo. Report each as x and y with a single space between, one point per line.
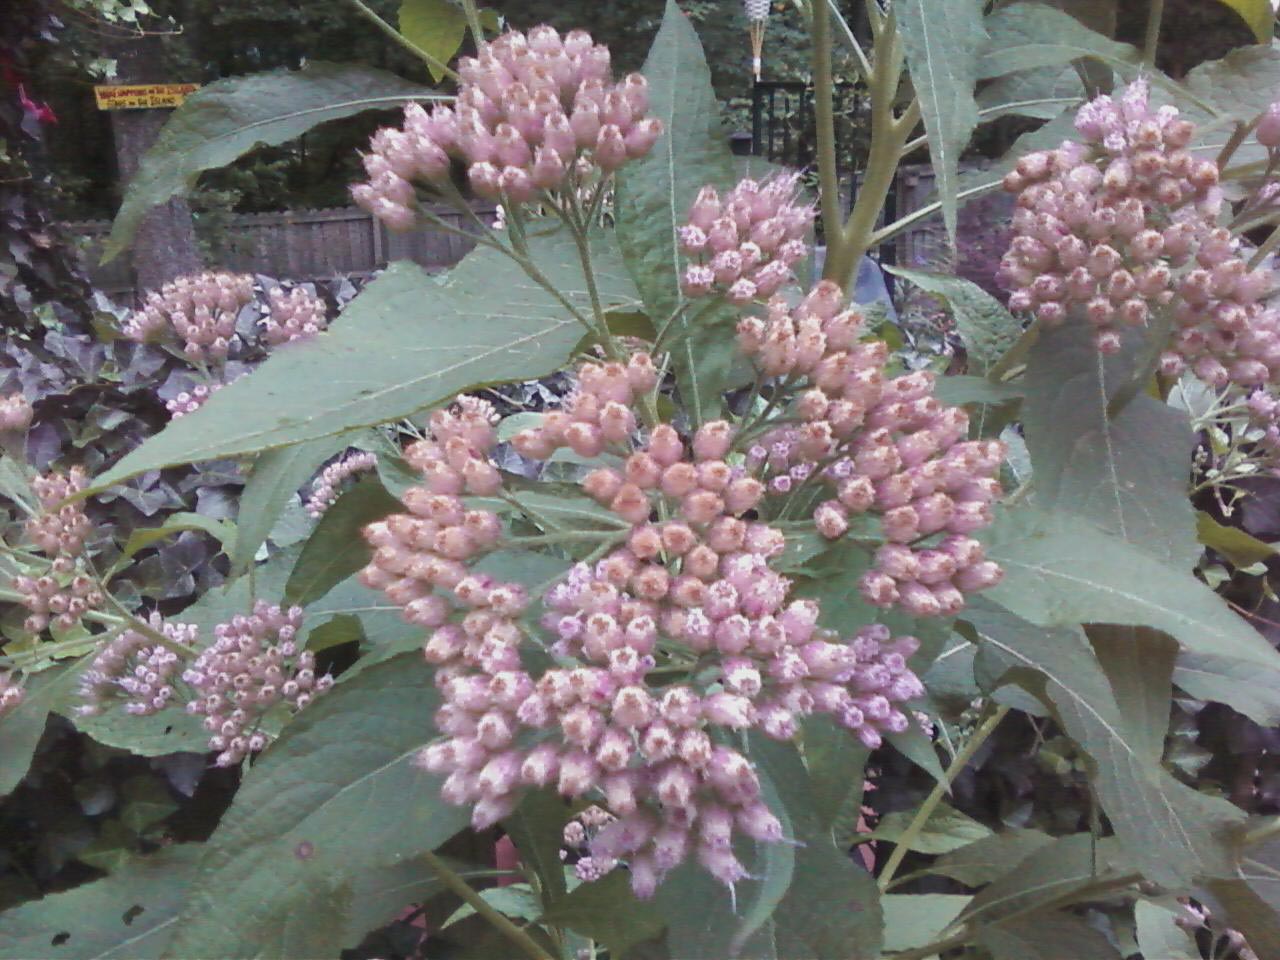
1025 36
836 761
404 345
919 749
337 795
608 912
772 872
1118 711
436 26
1159 934
1245 910
130 915
1047 936
276 476
1258 15
990 858
224 120
832 910
943 40
963 390
1059 572
1243 685
654 195
945 831
1235 545
336 550
1127 474
517 901
143 537
1042 94
536 828
24 725
1064 867
985 326
912 921
1238 87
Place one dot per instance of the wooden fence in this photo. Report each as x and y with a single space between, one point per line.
296 245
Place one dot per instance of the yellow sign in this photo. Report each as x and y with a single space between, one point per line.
143 96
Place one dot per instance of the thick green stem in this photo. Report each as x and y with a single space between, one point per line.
434 63
971 747
824 118
1155 14
528 946
473 21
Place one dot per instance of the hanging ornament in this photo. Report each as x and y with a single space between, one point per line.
757 18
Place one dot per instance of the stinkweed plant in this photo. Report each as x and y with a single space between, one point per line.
638 626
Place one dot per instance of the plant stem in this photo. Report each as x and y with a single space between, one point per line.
1155 14
852 41
502 924
824 118
473 21
439 67
1263 833
940 790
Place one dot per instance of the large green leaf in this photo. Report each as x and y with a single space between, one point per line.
1128 474
1042 94
1159 934
406 343
24 724
337 795
913 920
436 26
943 40
654 195
985 326
335 550
276 476
1065 867
1119 716
130 915
224 120
991 857
1060 572
1047 936
832 909
607 911
1025 36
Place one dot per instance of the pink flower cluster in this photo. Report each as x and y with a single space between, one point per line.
15 412
60 596
59 530
885 445
745 245
528 108
200 310
428 547
11 694
191 401
1124 228
296 315
695 592
254 664
136 669
324 494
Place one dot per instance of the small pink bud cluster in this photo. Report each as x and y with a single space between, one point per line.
134 668
745 245
577 836
1264 412
426 550
60 596
1124 227
886 445
200 310
598 414
296 315
15 412
254 664
528 109
696 591
191 401
11 694
59 530
324 494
